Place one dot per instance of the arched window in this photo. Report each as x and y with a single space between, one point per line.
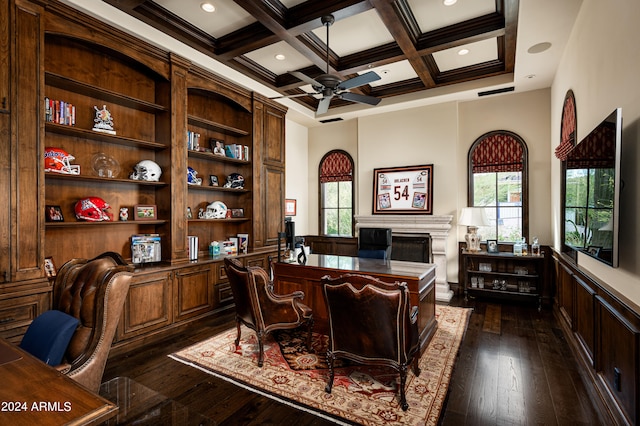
498 182
336 194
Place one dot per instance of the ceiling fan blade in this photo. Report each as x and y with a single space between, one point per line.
365 78
323 106
362 99
305 78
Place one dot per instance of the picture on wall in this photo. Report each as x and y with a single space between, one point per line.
403 190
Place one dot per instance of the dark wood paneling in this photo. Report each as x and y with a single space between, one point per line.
193 292
340 246
273 186
566 287
5 86
585 317
619 358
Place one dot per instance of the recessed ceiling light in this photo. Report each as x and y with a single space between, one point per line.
280 57
384 72
539 48
449 2
207 7
530 76
463 52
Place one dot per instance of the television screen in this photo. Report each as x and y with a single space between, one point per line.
592 189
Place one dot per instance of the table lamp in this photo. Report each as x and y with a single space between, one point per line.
472 218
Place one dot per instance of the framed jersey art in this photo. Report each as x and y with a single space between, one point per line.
403 190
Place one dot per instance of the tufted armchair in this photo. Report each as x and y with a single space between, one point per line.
260 309
371 322
93 291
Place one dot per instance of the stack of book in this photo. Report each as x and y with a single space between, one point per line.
193 141
237 151
59 112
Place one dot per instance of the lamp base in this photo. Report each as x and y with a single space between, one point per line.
473 239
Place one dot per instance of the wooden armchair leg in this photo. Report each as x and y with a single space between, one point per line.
261 346
238 336
330 359
403 381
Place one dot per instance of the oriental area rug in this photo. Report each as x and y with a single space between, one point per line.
360 395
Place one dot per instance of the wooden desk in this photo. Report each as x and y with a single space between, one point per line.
420 278
33 393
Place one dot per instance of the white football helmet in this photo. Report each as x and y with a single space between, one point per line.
146 170
216 210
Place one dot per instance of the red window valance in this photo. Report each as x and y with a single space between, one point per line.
498 152
568 136
336 167
596 151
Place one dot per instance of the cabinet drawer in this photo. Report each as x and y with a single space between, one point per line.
17 313
225 297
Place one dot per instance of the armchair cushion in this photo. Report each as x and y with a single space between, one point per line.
48 336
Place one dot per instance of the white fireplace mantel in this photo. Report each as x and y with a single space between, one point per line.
437 226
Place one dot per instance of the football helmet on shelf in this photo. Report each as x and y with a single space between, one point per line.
216 210
235 181
93 209
146 170
192 177
58 160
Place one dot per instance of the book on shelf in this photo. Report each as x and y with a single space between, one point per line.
59 112
243 243
145 248
193 141
237 151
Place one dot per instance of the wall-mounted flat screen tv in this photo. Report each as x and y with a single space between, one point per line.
592 192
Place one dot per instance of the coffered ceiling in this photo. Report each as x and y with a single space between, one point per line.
415 46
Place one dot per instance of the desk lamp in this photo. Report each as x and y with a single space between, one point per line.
472 218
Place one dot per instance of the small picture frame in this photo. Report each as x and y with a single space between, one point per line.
145 212
594 250
50 267
213 180
217 147
237 213
290 207
54 214
492 246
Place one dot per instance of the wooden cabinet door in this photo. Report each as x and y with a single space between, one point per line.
17 313
27 183
193 291
148 305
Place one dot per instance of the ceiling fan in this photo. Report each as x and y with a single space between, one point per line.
330 86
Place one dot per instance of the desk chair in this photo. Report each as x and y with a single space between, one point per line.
371 322
260 309
374 243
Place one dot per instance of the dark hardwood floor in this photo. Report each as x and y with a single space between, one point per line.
514 368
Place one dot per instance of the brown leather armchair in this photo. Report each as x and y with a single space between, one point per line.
93 291
371 322
260 309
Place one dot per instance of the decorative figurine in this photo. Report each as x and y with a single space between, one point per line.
124 214
103 121
189 214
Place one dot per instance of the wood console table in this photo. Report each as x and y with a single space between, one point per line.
33 393
420 278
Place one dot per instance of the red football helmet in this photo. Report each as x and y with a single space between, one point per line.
93 209
58 160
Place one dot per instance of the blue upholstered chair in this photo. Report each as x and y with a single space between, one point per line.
373 254
49 335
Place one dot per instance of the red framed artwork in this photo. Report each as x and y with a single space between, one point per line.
290 207
403 190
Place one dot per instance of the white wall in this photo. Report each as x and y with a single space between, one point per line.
601 65
297 173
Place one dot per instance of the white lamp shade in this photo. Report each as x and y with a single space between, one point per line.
473 216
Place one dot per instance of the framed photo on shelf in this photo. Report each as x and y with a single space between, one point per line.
237 212
54 214
50 267
403 190
289 207
217 147
213 180
145 212
594 250
492 246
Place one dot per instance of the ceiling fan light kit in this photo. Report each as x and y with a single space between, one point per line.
331 85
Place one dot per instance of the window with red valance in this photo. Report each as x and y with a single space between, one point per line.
498 182
335 176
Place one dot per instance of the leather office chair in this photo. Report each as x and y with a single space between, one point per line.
259 308
93 291
371 322
374 243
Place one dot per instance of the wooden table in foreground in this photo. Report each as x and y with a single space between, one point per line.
33 393
420 278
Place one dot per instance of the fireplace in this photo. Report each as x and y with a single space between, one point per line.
413 234
411 247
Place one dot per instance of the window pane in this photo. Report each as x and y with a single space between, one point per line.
484 189
330 193
575 226
344 189
331 221
509 222
346 217
510 188
576 188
